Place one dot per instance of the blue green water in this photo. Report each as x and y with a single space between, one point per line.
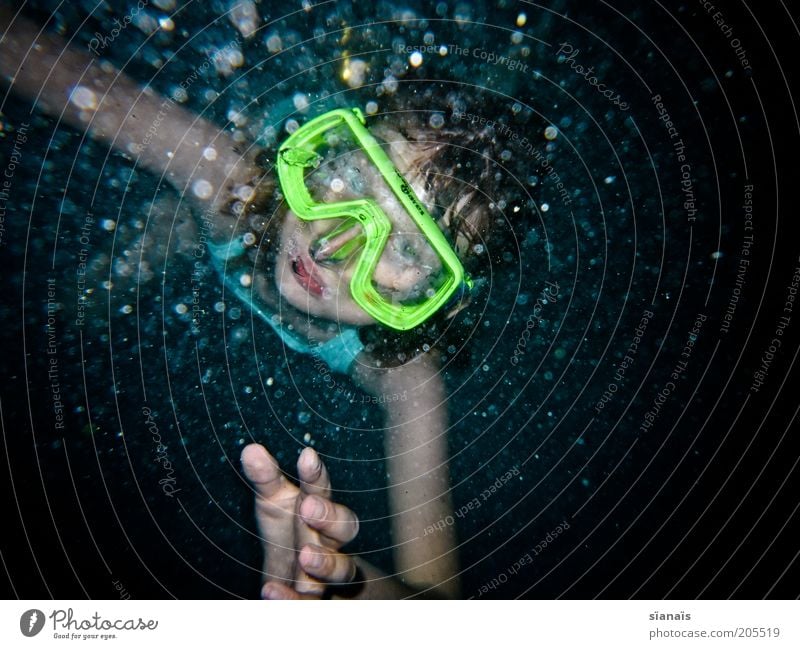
612 230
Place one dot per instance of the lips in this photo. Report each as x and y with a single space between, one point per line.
303 273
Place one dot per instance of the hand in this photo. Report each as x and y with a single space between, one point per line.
408 379
301 529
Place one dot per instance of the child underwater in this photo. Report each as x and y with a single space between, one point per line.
296 275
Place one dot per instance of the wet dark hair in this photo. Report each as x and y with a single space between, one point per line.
461 166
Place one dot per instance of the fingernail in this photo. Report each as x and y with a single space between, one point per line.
270 592
312 462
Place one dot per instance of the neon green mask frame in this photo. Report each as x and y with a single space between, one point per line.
298 153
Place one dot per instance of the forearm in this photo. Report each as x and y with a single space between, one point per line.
417 465
419 492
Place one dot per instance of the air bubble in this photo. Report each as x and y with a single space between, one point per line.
354 72
300 101
390 85
83 98
202 189
274 43
180 95
245 192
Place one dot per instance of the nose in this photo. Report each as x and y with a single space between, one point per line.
405 263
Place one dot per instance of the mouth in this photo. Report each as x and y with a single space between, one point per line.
303 271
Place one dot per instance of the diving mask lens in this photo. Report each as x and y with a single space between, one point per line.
340 244
367 215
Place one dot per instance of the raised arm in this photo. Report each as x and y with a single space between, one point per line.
195 156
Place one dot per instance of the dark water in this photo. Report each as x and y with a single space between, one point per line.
608 286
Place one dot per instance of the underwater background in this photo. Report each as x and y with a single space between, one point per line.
618 406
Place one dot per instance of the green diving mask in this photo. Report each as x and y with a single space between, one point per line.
333 169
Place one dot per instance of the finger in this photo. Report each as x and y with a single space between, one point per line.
277 590
327 565
303 582
314 477
275 513
335 521
262 471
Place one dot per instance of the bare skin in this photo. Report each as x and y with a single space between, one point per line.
415 445
416 458
119 112
302 531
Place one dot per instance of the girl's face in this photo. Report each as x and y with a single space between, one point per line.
321 290
313 282
322 287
